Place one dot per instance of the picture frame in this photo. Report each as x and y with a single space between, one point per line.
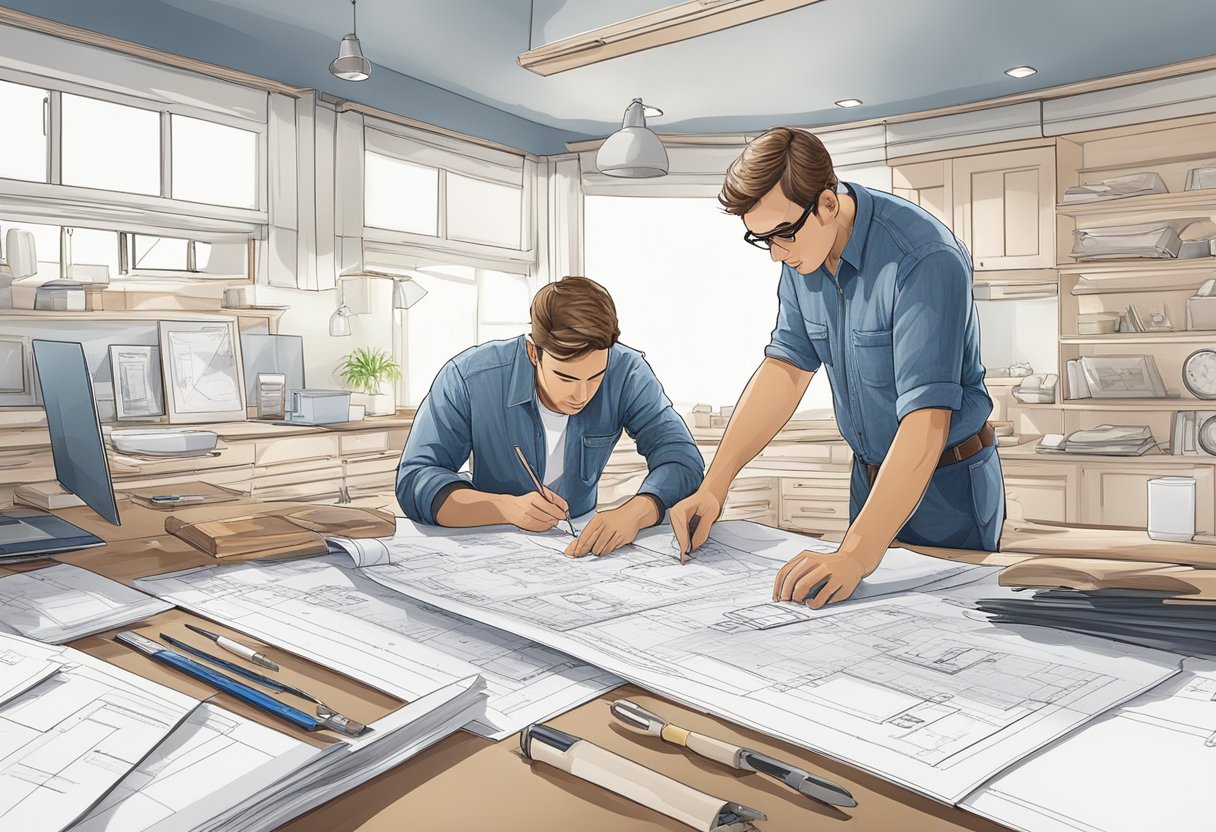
15 375
204 380
138 383
1122 377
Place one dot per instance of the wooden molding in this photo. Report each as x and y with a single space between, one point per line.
673 24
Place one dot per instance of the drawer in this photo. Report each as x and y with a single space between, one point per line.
386 463
295 448
811 510
38 467
752 485
824 486
364 442
814 525
225 456
380 482
238 479
764 516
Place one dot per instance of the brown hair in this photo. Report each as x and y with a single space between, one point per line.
573 316
793 158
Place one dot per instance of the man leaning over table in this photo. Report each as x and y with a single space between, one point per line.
563 394
878 292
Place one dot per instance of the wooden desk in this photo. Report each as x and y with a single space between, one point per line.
466 782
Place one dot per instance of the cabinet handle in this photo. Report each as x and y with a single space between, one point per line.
817 510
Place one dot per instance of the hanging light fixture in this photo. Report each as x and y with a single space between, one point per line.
339 322
634 151
350 65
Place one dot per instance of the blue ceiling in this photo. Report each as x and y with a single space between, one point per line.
452 63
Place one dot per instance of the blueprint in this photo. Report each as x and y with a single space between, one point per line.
906 686
1159 748
324 610
66 741
64 602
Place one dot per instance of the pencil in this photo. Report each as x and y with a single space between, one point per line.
540 489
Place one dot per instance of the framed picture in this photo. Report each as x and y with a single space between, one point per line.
202 368
14 364
1122 377
138 391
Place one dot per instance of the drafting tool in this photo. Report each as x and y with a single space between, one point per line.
693 522
637 717
224 683
540 489
589 762
326 714
235 648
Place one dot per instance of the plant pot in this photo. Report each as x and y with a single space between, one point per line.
381 404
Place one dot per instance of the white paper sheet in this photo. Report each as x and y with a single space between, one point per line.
62 602
65 742
907 687
324 610
1150 764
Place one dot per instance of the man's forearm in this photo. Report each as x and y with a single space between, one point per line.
901 482
466 507
766 405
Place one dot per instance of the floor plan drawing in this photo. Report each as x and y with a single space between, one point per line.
1068 786
66 741
324 609
908 686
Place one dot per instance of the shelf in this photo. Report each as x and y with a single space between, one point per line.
1145 266
1203 337
1150 164
1203 201
1158 405
143 314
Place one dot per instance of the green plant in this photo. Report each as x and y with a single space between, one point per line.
367 369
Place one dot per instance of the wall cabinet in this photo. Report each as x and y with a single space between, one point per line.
1004 208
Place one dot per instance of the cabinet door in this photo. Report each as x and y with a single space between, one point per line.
1115 496
1004 208
928 185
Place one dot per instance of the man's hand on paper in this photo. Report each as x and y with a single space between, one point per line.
610 530
533 512
702 504
836 574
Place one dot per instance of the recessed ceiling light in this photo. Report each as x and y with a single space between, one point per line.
849 102
1020 71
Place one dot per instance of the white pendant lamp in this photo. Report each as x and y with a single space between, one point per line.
339 322
634 151
406 292
350 65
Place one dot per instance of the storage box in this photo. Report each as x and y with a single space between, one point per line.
320 407
1201 308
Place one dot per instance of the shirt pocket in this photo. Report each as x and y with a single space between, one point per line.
594 456
875 357
818 335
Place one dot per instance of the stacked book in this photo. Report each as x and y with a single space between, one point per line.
1104 440
1117 187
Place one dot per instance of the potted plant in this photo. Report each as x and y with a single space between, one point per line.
371 372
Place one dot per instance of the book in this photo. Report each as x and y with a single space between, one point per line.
266 534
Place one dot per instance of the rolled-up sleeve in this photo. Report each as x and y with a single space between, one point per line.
790 342
675 465
931 310
440 441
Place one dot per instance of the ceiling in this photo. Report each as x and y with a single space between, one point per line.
453 62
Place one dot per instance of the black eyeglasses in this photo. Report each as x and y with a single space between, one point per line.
783 232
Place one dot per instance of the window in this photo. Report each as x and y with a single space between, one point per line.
213 163
401 196
110 146
504 305
681 276
23 151
94 249
160 253
46 243
438 327
483 212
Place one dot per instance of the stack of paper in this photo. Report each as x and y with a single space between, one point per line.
220 771
1111 440
327 611
1148 240
63 602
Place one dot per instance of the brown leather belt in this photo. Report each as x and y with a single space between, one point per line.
956 453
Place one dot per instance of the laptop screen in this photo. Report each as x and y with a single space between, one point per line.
71 417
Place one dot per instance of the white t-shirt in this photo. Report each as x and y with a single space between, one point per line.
555 443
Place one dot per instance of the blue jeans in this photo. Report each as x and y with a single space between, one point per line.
963 506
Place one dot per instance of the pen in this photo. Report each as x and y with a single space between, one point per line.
218 681
600 766
638 718
327 715
519 452
693 522
173 498
236 648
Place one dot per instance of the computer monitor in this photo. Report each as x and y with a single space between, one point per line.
71 418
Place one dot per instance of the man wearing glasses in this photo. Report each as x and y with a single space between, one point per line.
879 292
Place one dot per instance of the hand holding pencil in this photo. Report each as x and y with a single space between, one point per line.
550 505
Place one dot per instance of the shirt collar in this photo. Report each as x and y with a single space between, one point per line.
523 376
861 225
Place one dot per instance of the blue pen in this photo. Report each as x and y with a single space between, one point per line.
219 681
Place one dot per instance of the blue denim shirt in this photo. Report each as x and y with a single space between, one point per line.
896 327
483 402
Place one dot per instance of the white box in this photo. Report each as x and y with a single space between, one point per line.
1171 508
320 407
